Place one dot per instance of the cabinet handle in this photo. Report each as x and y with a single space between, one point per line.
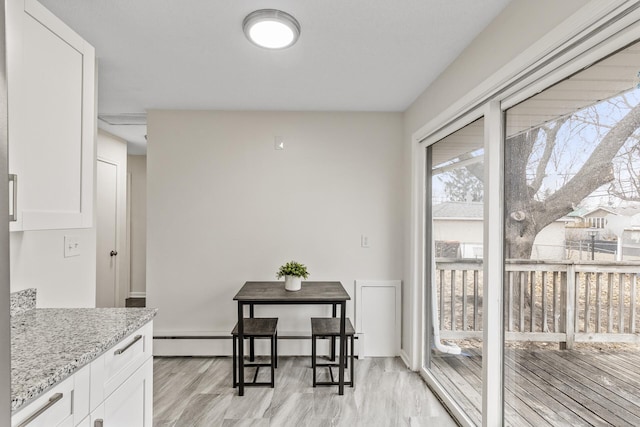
52 400
13 179
125 348
98 423
113 253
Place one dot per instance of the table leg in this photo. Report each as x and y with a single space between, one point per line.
333 339
343 340
240 349
252 354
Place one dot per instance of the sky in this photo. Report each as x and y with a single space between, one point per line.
575 142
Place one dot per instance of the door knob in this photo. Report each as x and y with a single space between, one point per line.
113 253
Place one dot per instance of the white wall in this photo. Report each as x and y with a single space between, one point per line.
37 261
113 149
224 207
137 166
518 26
459 230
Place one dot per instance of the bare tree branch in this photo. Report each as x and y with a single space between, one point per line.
551 134
632 177
526 216
595 172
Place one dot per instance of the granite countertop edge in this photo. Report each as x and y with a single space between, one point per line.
87 347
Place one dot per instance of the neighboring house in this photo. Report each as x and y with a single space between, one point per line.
457 229
594 218
582 221
460 224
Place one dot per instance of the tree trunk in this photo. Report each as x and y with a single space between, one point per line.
519 224
525 217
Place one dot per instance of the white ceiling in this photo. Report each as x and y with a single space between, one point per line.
358 55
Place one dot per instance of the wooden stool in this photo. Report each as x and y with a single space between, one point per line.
329 327
265 327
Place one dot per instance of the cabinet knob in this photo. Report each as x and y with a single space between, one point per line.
113 253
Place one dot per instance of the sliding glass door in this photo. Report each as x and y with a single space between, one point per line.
572 249
454 261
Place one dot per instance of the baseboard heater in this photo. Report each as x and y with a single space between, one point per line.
227 337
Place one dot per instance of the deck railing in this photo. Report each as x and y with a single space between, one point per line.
563 301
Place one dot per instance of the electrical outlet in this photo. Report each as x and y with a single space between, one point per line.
278 142
71 246
364 241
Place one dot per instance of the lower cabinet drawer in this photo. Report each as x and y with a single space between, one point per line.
130 405
125 358
51 409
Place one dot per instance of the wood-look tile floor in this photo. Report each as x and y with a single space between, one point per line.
196 391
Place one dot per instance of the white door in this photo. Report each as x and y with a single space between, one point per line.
107 249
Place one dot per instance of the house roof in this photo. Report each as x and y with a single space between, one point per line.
463 210
583 212
622 210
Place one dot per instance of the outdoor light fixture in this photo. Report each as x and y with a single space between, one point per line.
271 28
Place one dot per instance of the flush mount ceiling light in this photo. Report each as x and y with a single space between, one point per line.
271 28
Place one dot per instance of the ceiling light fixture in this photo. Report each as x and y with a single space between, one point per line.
271 28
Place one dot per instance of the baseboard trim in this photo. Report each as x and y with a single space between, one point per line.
227 337
220 345
405 358
137 294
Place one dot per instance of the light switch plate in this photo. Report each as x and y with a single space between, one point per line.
71 246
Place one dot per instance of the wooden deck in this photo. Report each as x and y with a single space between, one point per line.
552 387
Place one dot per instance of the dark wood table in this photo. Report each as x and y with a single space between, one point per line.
273 293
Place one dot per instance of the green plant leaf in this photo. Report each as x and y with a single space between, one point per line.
293 268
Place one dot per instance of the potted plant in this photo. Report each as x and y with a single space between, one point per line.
293 273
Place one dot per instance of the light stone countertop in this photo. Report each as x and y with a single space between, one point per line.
49 344
22 301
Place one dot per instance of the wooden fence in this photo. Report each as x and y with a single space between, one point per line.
564 301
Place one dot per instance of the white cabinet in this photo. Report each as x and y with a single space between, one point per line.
122 394
51 102
114 390
58 406
130 405
96 419
66 423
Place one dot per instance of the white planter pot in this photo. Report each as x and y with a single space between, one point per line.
292 283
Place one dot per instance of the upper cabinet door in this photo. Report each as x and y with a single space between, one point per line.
51 86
